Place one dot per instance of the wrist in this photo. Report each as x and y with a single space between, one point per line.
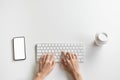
77 76
40 76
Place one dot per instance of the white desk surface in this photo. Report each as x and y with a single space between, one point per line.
60 21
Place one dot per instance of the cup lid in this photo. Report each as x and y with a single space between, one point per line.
103 37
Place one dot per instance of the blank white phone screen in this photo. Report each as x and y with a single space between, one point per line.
19 48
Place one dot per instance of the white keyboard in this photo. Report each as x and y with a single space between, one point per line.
56 48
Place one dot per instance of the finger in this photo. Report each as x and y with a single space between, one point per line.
68 55
47 57
40 60
63 54
67 58
43 58
53 64
68 62
40 63
51 57
64 62
73 56
76 58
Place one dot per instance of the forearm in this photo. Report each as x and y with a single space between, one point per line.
39 76
77 76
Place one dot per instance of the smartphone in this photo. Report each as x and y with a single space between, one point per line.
19 48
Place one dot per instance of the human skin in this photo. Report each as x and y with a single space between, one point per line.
46 65
71 64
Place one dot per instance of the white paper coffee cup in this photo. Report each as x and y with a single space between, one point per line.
101 39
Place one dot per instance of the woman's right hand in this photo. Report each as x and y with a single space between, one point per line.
71 64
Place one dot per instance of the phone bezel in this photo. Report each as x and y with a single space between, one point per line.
24 49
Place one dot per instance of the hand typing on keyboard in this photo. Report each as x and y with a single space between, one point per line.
71 64
69 61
